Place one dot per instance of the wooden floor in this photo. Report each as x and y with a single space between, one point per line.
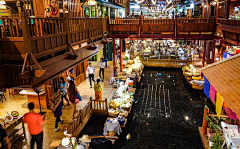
19 103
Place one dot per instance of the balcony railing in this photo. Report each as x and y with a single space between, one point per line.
46 36
10 27
158 26
229 22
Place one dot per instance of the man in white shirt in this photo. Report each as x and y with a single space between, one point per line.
91 71
101 71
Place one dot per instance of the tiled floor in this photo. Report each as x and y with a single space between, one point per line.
19 103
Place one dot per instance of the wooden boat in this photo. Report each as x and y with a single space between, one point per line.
193 85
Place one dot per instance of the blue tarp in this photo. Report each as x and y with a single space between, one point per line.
206 87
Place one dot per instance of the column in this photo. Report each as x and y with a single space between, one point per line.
213 51
203 58
121 55
114 55
227 9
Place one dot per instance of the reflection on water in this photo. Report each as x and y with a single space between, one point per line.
166 115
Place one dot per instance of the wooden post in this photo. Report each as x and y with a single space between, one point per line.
175 26
114 55
204 124
88 27
203 58
120 55
217 7
227 9
106 104
213 51
26 35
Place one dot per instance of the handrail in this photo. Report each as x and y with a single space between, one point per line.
228 22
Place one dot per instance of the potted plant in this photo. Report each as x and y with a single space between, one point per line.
215 140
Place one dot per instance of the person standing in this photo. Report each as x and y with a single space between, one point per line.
91 71
57 110
63 90
4 138
35 122
98 91
101 71
72 94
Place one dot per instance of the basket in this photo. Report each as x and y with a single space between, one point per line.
113 107
113 115
127 109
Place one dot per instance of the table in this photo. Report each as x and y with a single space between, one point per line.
14 129
32 96
123 125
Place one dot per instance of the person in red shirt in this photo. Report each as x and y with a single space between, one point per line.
35 122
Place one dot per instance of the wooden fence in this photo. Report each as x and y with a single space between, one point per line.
161 25
172 63
10 27
92 107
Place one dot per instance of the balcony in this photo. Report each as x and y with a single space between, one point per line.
230 30
47 40
162 28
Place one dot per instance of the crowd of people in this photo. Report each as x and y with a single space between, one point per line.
67 91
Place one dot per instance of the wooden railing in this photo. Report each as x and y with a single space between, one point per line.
172 63
157 21
84 115
161 25
46 26
76 24
100 106
229 22
124 21
10 27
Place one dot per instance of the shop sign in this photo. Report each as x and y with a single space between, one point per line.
5 12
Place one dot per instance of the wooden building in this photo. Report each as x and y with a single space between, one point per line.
35 50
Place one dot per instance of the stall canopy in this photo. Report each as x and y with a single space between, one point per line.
224 76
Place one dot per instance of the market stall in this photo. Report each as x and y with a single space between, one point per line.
13 125
32 96
193 77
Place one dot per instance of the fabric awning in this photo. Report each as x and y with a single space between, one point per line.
224 76
99 1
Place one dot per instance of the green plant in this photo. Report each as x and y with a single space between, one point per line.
214 123
217 140
125 58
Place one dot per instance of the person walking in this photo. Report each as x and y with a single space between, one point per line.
57 110
91 71
101 71
98 92
63 91
35 122
72 94
4 139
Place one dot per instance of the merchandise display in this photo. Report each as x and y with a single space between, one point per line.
193 77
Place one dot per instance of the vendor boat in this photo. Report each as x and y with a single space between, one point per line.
193 78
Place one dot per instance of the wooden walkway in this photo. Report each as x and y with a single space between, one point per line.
169 63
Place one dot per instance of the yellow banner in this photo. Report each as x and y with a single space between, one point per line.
219 104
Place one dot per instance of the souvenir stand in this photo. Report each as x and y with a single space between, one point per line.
193 78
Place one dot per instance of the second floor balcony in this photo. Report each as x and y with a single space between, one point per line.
164 28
